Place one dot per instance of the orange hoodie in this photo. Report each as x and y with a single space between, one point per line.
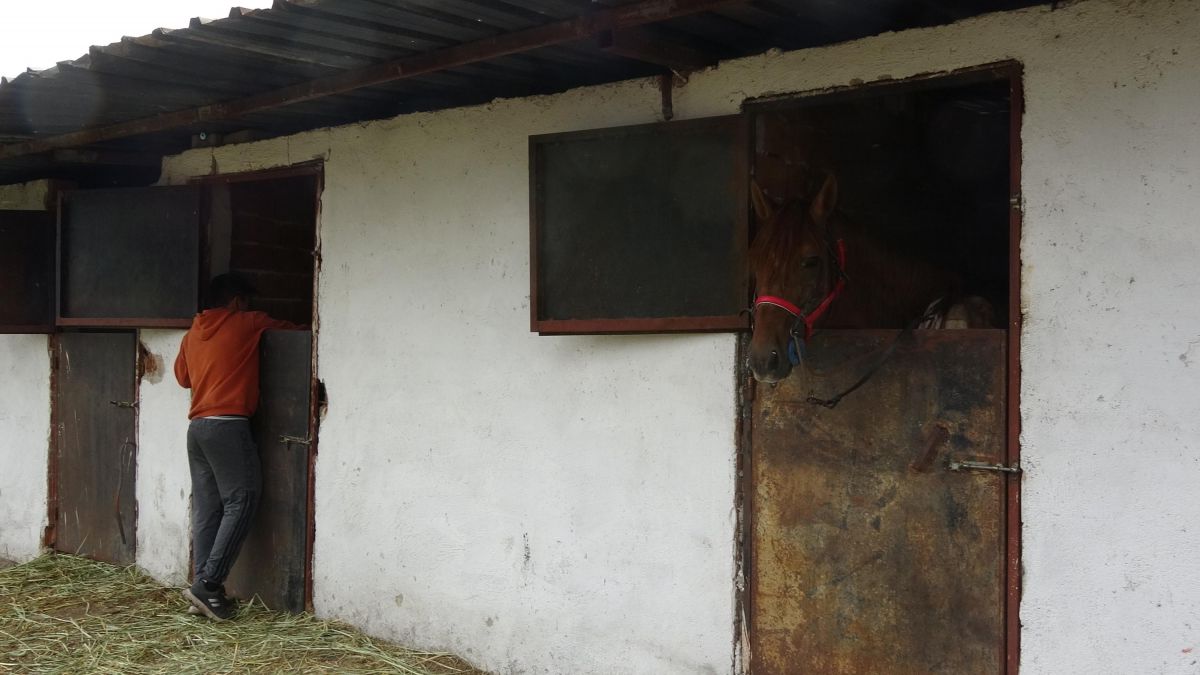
218 361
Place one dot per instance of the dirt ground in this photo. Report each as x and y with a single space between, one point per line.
63 614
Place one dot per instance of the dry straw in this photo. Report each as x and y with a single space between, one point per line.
63 614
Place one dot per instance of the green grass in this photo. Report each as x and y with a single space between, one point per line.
64 614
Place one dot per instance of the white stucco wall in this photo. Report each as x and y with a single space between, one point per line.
24 442
163 484
24 417
534 504
565 504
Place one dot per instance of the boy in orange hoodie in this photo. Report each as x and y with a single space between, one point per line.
218 361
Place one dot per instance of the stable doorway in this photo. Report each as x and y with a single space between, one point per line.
880 534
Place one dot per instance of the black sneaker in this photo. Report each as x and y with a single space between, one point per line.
212 604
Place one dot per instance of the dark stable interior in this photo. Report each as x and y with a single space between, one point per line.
927 170
265 230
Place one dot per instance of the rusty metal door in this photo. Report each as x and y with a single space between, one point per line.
95 407
867 553
274 560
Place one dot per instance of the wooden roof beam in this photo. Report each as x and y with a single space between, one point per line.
106 157
580 28
642 44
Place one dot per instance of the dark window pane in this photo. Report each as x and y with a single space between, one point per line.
130 255
641 223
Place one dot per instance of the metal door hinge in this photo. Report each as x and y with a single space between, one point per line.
124 404
982 466
299 440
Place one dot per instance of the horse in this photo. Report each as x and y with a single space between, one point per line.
811 265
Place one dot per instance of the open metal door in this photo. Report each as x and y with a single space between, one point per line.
96 434
868 552
274 560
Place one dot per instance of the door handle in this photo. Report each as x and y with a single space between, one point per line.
982 466
299 440
124 404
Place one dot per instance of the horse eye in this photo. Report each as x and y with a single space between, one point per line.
810 262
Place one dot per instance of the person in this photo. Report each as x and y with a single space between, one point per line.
218 360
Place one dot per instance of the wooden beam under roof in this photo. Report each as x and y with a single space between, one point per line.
641 44
105 157
608 19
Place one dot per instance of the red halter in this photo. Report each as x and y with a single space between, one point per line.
811 318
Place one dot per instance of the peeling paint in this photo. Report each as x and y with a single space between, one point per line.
150 365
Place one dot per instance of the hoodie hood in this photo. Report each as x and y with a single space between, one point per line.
207 323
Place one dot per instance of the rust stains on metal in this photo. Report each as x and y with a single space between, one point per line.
94 468
859 563
1012 651
273 563
935 437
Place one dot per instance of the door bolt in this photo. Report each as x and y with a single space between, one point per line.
983 466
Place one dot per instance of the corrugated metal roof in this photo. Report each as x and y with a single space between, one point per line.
253 52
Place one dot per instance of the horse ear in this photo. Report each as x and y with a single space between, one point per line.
826 200
762 205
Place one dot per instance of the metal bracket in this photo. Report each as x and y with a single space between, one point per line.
124 404
982 466
299 440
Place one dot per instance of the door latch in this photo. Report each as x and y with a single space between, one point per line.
299 440
982 466
124 404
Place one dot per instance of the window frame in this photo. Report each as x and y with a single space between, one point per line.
683 323
62 267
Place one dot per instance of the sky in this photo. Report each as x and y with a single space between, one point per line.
39 33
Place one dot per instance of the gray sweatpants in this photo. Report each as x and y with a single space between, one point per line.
226 481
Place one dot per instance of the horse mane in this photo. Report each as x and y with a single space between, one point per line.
777 243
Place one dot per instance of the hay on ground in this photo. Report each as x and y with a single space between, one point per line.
64 614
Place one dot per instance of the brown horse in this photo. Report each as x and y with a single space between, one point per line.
812 267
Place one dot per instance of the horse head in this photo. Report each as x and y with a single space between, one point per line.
797 267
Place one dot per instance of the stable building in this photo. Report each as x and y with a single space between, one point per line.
522 427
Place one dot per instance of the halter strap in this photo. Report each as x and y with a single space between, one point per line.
810 319
778 302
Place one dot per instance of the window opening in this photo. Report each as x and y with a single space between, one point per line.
265 230
923 170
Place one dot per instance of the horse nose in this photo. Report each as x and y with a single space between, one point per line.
769 364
